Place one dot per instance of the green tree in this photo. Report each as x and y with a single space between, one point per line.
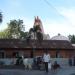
16 29
23 35
72 38
4 34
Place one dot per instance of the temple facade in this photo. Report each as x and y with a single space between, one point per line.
10 48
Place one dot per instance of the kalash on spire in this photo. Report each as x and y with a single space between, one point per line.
37 21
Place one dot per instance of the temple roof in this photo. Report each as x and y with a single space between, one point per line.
20 43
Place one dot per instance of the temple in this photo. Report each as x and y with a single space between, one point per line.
58 46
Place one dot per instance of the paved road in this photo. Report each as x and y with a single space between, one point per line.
63 71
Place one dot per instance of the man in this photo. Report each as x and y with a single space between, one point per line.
46 59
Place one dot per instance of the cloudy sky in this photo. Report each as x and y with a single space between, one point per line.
57 16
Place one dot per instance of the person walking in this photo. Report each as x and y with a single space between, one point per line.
46 60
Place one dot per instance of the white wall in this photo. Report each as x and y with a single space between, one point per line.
61 61
8 61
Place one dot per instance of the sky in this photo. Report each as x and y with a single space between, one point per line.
57 16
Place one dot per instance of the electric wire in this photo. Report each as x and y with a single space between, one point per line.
49 4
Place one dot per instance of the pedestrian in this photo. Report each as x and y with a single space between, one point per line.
46 60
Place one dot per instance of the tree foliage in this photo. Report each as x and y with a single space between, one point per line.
72 38
15 30
4 34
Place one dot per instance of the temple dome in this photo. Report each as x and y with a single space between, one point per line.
60 37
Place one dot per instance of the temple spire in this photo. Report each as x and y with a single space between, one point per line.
37 21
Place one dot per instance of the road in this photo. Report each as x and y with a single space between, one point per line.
62 71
